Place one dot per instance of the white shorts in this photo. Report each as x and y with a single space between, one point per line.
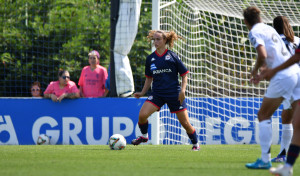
288 88
287 104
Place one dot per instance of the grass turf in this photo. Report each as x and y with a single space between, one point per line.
154 160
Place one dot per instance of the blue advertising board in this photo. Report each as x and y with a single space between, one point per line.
77 121
218 121
93 120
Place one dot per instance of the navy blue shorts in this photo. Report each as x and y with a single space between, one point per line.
172 102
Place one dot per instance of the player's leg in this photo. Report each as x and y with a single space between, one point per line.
294 149
147 109
268 107
190 130
287 131
182 115
277 90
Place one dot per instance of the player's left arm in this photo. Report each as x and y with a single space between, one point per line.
270 73
183 87
261 57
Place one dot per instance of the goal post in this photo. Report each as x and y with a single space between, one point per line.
222 105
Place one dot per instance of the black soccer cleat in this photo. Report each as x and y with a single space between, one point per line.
139 140
196 148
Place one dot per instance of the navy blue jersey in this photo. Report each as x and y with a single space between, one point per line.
164 70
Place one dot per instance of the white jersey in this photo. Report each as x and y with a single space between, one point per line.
291 46
277 53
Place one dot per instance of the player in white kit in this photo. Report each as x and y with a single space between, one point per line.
271 52
282 26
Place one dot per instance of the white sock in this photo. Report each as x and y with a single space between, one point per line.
286 137
196 145
265 138
288 165
145 135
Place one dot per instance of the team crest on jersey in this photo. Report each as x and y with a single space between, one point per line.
150 97
153 67
152 59
168 57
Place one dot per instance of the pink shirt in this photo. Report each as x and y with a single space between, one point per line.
53 88
93 82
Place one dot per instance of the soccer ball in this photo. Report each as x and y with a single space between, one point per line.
43 139
117 142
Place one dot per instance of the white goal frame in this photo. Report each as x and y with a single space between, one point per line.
242 126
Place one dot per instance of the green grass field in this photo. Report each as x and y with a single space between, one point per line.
143 160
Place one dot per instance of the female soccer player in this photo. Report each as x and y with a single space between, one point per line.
271 52
285 30
63 88
162 69
294 148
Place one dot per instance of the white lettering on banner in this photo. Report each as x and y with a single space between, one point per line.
241 133
53 134
117 121
90 131
72 126
212 129
71 134
7 125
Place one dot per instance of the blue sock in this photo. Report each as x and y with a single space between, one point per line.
193 137
144 127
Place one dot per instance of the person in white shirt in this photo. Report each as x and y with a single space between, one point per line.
271 52
294 148
284 29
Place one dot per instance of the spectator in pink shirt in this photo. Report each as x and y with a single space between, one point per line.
63 88
92 78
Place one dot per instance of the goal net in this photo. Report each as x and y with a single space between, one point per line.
222 105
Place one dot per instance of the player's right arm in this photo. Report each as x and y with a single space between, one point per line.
146 87
260 61
81 82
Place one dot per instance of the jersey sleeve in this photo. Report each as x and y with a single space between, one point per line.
81 81
73 88
181 67
148 72
256 39
50 88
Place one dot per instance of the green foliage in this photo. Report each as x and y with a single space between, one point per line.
39 37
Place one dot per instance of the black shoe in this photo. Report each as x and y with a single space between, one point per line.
196 148
139 140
